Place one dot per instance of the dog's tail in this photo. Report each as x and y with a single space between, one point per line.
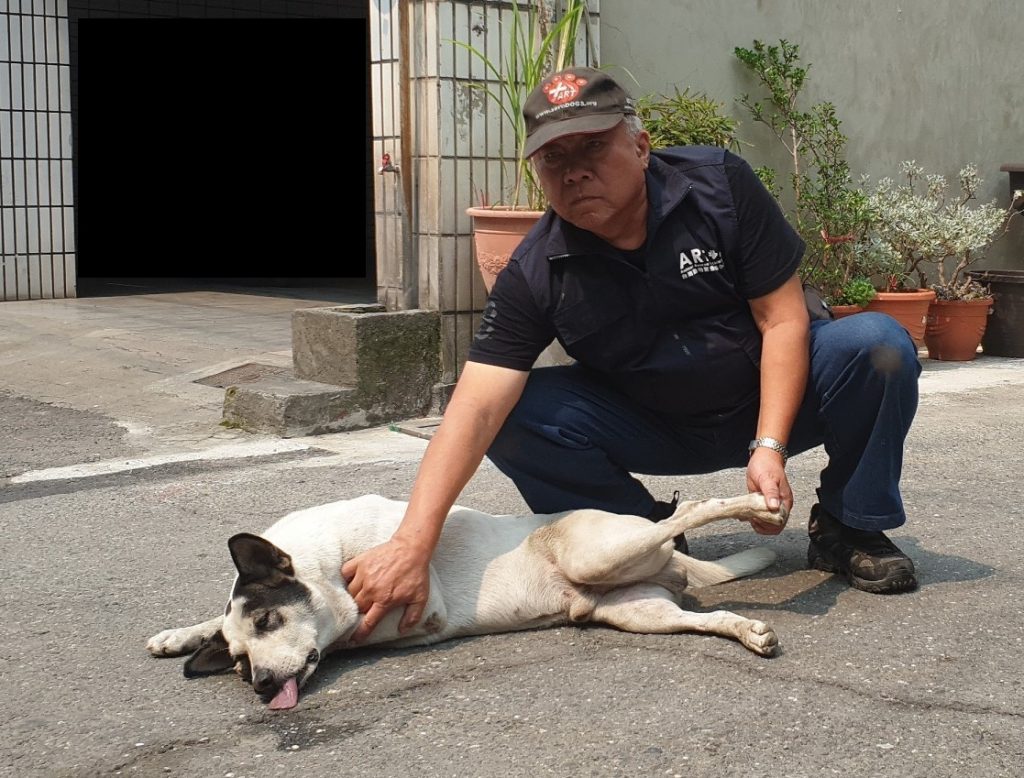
753 560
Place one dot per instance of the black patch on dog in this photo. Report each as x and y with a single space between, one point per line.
258 598
211 657
257 559
266 582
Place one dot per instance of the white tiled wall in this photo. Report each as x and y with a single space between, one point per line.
394 247
37 252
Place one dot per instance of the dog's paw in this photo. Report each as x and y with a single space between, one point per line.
174 642
760 511
758 637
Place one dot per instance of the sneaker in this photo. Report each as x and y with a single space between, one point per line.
661 511
869 560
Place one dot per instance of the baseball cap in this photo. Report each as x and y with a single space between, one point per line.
577 99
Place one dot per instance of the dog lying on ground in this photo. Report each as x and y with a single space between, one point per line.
289 606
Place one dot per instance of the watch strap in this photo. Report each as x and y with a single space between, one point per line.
773 444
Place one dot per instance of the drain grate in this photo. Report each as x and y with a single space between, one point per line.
248 373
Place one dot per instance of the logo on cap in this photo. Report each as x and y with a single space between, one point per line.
563 87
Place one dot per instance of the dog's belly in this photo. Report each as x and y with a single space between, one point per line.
515 590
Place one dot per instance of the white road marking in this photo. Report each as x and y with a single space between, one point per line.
377 444
259 448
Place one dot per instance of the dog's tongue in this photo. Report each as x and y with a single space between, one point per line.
287 697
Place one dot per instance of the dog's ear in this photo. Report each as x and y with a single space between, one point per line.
211 657
257 559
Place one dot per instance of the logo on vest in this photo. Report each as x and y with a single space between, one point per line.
697 261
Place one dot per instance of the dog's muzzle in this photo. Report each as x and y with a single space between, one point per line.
281 696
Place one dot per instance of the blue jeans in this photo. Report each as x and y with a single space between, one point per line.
573 442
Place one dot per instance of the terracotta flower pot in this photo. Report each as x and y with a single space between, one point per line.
839 311
497 231
909 308
955 328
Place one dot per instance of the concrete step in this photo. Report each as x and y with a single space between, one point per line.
293 407
352 367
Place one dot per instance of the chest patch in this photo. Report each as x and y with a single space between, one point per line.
697 261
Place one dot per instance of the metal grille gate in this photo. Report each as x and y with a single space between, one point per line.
37 252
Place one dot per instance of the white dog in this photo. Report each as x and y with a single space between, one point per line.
289 605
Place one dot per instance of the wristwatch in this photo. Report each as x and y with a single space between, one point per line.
771 443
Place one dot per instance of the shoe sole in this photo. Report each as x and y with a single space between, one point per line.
896 583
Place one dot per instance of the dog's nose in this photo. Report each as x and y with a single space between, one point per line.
262 680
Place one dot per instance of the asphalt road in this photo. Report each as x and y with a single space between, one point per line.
928 683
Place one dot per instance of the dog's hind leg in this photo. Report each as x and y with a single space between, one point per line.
697 513
185 640
647 608
595 547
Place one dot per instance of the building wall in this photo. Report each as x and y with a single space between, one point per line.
936 81
37 257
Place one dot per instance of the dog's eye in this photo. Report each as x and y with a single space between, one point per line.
312 657
268 620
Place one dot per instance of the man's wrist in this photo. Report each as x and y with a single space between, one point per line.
417 543
771 443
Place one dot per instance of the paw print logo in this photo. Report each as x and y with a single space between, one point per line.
563 88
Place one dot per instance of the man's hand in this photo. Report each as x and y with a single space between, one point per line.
388 576
766 474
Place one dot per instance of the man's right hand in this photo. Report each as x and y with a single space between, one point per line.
388 576
397 573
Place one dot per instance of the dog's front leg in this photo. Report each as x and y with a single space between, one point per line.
184 640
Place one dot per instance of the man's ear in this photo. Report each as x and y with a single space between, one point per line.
211 657
643 147
259 560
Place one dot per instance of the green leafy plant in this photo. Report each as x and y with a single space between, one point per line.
536 44
830 212
682 119
858 291
920 226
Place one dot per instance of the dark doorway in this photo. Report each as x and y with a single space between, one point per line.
224 142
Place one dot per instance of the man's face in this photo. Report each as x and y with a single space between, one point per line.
596 180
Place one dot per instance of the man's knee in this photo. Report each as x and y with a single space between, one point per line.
870 339
891 349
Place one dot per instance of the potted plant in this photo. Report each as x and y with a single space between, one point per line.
921 228
959 316
536 44
852 297
829 212
682 119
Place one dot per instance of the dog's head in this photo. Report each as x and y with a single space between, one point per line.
270 632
